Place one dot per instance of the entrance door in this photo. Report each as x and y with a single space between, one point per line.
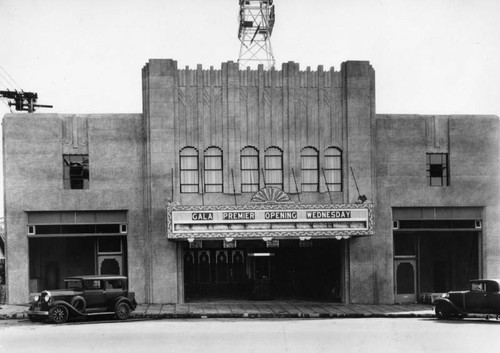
405 273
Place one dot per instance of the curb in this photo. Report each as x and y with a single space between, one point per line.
20 316
20 312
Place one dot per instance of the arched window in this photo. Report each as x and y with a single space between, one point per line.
189 167
309 157
273 164
333 168
213 170
250 169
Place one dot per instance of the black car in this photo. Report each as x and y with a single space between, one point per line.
483 297
84 296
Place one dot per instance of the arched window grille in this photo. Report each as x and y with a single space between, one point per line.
273 165
189 167
333 168
310 169
249 160
213 170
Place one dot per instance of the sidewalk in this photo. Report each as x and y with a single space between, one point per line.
258 310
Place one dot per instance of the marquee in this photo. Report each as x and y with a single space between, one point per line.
261 220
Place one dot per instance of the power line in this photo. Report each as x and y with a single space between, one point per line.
14 81
7 86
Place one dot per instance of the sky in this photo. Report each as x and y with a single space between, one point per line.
86 56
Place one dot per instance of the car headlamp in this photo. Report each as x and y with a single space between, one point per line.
47 297
36 298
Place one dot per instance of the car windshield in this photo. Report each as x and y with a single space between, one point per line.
74 284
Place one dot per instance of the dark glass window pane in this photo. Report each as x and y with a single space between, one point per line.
77 228
436 223
405 245
107 228
464 223
48 229
436 170
111 244
415 224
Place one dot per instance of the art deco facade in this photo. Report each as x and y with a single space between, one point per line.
253 184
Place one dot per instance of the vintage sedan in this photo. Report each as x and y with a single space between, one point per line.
483 297
84 296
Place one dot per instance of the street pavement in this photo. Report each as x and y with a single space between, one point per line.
346 335
258 310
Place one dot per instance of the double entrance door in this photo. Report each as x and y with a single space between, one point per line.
214 273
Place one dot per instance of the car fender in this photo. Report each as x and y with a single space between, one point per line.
70 307
449 303
126 300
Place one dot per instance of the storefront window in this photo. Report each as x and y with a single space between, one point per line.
213 170
437 169
310 169
274 167
250 169
76 171
333 168
189 170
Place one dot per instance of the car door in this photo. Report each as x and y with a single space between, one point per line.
476 299
493 297
94 294
113 290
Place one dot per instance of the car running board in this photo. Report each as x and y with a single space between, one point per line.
100 313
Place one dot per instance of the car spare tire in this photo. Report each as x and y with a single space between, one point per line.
443 311
79 303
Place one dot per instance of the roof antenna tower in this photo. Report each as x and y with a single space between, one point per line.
256 22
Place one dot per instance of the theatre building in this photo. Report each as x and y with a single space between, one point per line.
239 184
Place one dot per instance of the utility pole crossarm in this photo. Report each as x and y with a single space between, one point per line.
23 100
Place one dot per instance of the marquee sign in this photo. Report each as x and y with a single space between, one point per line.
269 220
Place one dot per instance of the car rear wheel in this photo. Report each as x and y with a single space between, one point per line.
442 311
122 311
58 314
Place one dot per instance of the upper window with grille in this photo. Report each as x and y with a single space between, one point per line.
438 169
310 169
213 170
333 168
273 165
189 168
76 171
250 169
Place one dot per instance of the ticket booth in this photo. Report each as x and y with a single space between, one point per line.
261 275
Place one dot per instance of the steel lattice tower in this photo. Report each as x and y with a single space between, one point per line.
256 21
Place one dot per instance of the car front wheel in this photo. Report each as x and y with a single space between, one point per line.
58 314
122 311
